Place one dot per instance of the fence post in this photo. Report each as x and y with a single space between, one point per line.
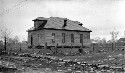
56 48
20 47
82 45
45 46
93 47
5 42
123 56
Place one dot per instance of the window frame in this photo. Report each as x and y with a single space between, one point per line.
63 37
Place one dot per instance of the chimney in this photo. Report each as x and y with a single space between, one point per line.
65 23
80 24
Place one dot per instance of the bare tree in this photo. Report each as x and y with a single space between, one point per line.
5 34
16 39
114 35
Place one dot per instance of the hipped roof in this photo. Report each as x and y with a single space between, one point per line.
57 23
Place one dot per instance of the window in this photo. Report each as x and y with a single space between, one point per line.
81 38
72 38
63 37
31 40
53 37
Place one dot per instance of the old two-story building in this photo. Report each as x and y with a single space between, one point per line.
60 32
121 41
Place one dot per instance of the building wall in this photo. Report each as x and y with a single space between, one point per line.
38 38
41 37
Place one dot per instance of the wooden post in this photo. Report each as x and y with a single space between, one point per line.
93 47
56 48
123 56
62 48
20 47
71 48
82 44
5 43
45 46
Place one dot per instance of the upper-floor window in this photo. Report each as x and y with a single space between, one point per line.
53 37
63 37
81 38
72 38
31 39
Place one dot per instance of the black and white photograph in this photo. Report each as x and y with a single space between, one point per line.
62 36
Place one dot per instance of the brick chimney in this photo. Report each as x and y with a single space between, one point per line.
65 23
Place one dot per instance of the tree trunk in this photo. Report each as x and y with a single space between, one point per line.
5 42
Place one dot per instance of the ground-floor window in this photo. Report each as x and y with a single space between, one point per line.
63 37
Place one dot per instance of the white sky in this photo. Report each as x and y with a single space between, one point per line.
100 16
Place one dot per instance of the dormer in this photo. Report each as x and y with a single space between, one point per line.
40 21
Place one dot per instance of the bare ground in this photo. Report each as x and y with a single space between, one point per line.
104 62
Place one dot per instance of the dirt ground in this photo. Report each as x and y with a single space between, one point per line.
24 62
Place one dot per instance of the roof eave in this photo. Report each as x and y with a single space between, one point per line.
59 29
68 30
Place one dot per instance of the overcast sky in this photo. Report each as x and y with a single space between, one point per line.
100 16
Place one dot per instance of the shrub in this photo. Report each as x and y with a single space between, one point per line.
30 47
80 50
